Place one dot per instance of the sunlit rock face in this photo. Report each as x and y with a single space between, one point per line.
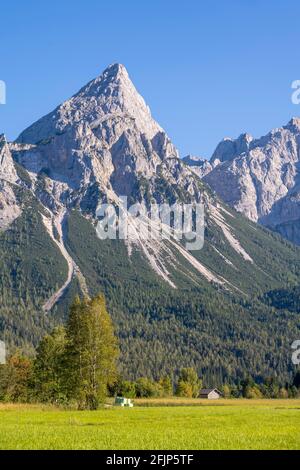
260 177
105 134
9 207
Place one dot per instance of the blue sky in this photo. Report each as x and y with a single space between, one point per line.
208 69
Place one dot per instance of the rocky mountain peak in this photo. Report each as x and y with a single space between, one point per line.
114 74
9 208
109 97
2 139
116 70
7 168
293 125
104 134
261 177
228 148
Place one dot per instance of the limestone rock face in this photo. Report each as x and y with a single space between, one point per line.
260 177
9 207
7 168
104 135
110 97
229 148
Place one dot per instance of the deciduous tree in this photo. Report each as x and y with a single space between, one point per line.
91 352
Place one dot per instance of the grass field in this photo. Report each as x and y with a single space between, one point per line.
155 425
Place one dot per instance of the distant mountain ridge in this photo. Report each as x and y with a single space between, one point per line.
260 177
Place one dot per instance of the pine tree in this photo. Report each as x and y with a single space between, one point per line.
49 367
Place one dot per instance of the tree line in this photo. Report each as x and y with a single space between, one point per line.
78 365
73 364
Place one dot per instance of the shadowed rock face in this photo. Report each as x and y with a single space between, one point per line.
200 166
260 177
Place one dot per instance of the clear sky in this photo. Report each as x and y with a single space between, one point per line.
207 69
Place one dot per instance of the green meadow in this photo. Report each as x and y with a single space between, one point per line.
155 425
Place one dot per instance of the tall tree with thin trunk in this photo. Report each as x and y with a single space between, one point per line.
91 352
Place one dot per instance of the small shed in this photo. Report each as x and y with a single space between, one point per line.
125 402
210 393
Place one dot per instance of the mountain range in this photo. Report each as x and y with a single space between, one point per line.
259 177
212 309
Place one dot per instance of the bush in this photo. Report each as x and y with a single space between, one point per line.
253 392
15 379
189 384
146 388
124 388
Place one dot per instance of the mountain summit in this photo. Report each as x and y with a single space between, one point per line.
104 134
111 96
